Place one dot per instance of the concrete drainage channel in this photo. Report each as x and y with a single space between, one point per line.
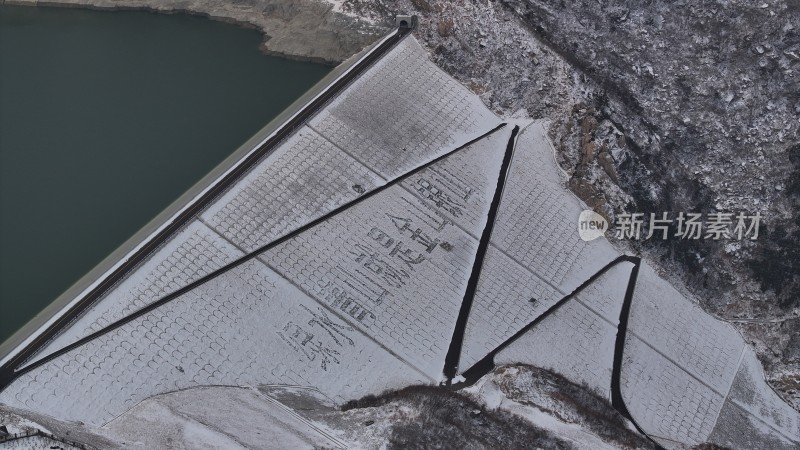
454 351
486 365
483 367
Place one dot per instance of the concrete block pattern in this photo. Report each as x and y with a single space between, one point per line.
737 428
463 185
535 157
403 112
702 351
392 267
502 305
538 219
397 264
605 295
190 255
247 327
666 401
578 339
574 342
751 393
682 331
304 179
535 251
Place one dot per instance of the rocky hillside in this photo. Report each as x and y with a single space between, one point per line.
657 107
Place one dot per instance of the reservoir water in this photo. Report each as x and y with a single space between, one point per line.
105 119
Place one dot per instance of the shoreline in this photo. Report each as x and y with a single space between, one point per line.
301 30
152 235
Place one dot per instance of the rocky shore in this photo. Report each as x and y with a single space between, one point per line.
309 30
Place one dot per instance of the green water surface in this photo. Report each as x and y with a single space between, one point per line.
105 119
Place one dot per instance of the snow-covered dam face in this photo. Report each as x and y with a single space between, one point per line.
403 231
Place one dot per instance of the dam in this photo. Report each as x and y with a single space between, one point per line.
389 231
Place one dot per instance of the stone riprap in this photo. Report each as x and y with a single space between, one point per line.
367 297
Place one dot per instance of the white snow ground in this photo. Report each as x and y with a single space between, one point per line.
489 394
218 417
